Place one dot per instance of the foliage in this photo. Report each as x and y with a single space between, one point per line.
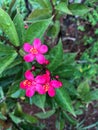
21 23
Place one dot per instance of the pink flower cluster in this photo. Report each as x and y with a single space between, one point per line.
44 82
41 84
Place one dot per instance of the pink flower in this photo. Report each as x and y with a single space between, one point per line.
50 85
40 84
35 51
31 84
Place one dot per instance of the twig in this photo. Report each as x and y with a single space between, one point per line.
53 9
28 6
68 38
2 38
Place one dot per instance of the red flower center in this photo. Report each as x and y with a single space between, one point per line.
27 83
33 50
46 87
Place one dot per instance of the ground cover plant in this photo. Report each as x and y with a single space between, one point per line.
48 64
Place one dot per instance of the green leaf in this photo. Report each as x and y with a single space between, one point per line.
37 30
4 82
93 95
7 25
65 71
39 101
54 29
70 58
1 93
44 3
2 117
15 119
9 128
54 2
16 63
29 118
46 114
79 9
65 1
19 24
11 6
63 8
18 110
69 87
26 126
67 66
38 14
26 66
63 100
12 70
18 93
5 49
56 56
69 118
14 90
6 60
60 123
83 89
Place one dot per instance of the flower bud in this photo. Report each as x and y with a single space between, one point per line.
46 62
26 26
57 77
33 68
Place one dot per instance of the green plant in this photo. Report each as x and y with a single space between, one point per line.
44 23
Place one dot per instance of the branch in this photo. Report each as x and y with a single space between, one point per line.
2 38
68 38
28 6
53 10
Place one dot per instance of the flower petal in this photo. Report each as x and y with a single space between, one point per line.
29 57
56 83
40 89
40 58
40 79
27 47
46 77
51 92
29 75
46 62
48 72
43 49
30 92
37 43
22 86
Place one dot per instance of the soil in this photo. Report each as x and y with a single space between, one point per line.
89 117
